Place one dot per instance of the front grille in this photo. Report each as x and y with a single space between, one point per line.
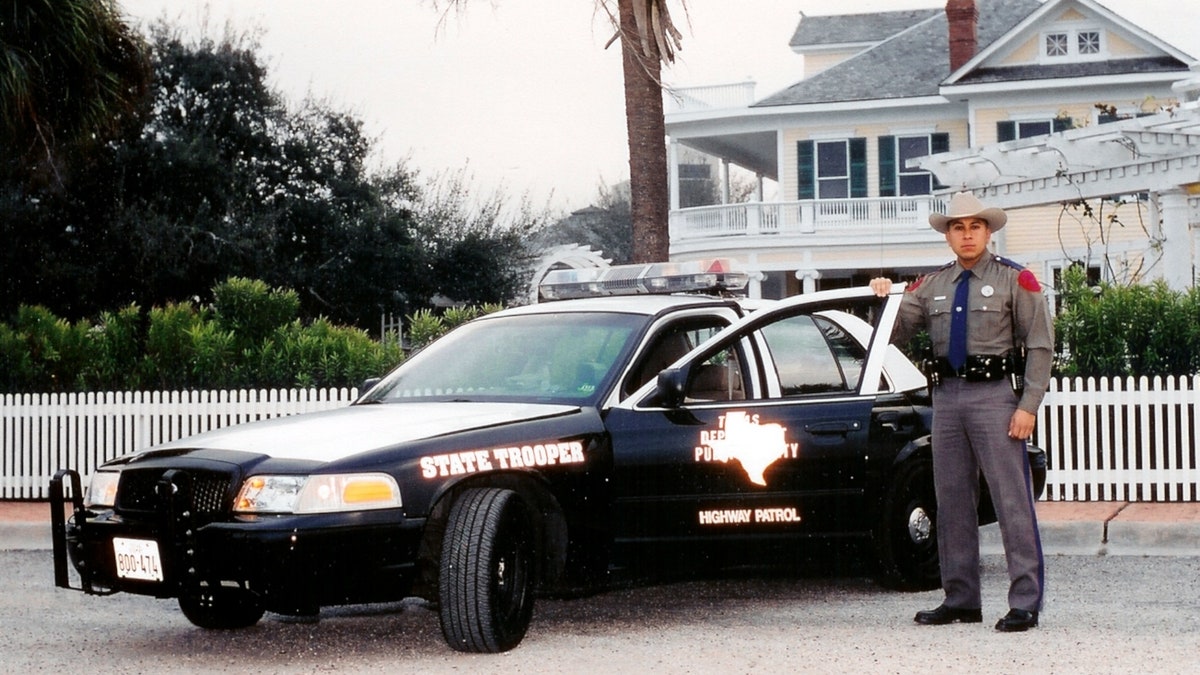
210 499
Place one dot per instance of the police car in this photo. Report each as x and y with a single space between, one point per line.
540 450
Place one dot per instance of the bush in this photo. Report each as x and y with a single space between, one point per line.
249 338
1111 330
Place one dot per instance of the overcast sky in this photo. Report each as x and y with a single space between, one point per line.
522 93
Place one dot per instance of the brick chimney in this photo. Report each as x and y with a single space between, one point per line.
962 17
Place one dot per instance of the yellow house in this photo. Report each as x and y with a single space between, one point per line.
899 109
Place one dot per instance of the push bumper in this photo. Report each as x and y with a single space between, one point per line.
293 563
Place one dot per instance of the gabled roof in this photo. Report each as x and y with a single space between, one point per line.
912 63
981 69
854 29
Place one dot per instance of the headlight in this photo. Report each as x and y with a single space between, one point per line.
318 494
102 490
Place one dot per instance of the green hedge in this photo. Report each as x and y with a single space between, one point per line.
1111 330
250 337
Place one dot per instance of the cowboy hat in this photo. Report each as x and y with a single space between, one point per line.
967 205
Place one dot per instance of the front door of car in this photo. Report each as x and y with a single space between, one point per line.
760 434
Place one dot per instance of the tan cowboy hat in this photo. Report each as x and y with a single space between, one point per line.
966 205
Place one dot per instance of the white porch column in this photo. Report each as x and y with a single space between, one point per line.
754 286
808 280
725 181
673 173
1178 259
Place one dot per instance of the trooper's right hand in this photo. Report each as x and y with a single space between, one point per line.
881 286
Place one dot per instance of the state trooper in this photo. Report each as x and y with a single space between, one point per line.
990 328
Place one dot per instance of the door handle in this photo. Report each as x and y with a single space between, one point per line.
831 428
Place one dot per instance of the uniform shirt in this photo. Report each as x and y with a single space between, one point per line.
1001 291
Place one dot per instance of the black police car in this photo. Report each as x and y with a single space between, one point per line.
538 450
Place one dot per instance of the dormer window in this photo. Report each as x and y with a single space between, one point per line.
1073 44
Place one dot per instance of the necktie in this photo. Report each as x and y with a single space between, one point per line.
958 322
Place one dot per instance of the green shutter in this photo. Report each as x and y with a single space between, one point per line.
858 168
806 171
1006 131
938 143
887 166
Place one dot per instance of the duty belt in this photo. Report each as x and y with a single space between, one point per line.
978 368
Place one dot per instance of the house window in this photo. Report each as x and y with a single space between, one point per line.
1089 42
896 179
833 170
912 181
1086 43
1056 44
1009 130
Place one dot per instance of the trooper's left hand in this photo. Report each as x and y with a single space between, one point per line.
1021 425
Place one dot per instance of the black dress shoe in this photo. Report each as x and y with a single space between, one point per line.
1017 620
944 615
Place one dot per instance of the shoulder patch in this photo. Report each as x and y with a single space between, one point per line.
913 286
1028 281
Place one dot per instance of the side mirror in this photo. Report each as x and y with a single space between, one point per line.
672 387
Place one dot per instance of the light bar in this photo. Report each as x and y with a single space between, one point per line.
695 276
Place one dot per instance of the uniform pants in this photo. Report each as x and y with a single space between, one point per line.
970 435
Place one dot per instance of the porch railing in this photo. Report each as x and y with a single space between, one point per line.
833 217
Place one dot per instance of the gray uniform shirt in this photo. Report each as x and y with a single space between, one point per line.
1007 308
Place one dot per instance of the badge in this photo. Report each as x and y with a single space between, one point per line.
987 291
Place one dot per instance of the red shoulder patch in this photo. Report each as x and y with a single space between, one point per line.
913 286
1028 281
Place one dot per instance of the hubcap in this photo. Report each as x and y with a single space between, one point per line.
919 525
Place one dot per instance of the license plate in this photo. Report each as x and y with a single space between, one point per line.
137 559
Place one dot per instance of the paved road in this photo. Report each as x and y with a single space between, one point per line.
1104 614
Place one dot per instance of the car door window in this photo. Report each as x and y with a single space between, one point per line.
812 355
668 346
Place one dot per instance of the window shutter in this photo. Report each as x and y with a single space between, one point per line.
938 143
858 168
1006 131
887 166
806 174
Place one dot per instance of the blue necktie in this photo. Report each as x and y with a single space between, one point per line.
958 323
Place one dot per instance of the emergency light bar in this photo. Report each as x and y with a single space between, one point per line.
695 276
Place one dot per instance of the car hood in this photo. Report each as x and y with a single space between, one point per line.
335 434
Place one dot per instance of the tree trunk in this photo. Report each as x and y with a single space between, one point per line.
649 198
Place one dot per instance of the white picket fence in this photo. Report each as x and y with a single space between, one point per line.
1121 439
42 433
1124 439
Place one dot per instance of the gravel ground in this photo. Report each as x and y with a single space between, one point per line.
1103 615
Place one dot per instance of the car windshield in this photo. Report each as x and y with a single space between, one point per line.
557 358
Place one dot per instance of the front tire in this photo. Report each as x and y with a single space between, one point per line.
906 538
223 609
486 576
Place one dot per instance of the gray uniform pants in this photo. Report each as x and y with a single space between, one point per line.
970 434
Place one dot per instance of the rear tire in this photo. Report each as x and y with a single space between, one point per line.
486 576
224 609
906 539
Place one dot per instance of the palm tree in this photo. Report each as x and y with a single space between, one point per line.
648 39
71 73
